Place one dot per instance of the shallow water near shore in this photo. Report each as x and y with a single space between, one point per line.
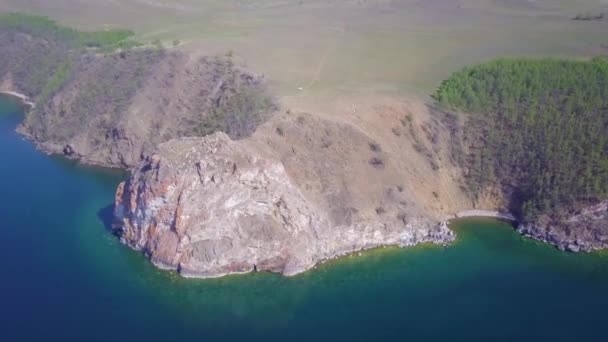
66 277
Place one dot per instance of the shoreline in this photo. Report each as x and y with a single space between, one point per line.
440 241
48 149
502 215
23 98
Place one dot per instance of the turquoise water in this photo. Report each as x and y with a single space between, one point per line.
65 277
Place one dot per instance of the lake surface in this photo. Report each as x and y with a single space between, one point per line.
65 277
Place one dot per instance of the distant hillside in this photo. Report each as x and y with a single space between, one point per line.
539 128
38 52
106 99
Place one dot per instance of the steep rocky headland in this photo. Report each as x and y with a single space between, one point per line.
316 167
212 206
224 181
301 190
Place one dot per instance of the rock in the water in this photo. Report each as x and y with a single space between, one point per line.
212 206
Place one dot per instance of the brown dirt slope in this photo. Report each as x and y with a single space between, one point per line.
370 158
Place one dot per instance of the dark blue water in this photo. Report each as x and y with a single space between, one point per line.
66 278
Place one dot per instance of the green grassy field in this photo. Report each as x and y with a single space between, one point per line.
345 47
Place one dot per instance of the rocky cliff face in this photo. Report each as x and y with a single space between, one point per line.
212 206
586 230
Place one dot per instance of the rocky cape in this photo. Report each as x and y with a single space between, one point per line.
297 190
212 206
296 193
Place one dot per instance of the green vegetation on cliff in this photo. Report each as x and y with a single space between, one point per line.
539 127
38 54
238 115
101 98
43 27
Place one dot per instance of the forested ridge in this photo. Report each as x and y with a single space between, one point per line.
539 126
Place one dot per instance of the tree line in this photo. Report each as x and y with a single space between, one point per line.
539 126
43 27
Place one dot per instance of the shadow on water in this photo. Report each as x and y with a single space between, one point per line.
106 215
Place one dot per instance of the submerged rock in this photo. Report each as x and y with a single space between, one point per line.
211 206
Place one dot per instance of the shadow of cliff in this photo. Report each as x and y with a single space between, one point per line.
106 215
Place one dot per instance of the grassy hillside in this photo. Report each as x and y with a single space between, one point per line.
348 47
91 89
43 27
538 125
39 54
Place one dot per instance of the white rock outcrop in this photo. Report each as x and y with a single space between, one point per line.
208 207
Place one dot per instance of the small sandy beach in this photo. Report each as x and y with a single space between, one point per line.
26 100
484 213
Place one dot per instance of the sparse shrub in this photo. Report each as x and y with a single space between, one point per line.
375 147
589 17
239 107
157 44
407 120
244 111
431 132
434 164
376 162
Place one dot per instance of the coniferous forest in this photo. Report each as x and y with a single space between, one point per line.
539 126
